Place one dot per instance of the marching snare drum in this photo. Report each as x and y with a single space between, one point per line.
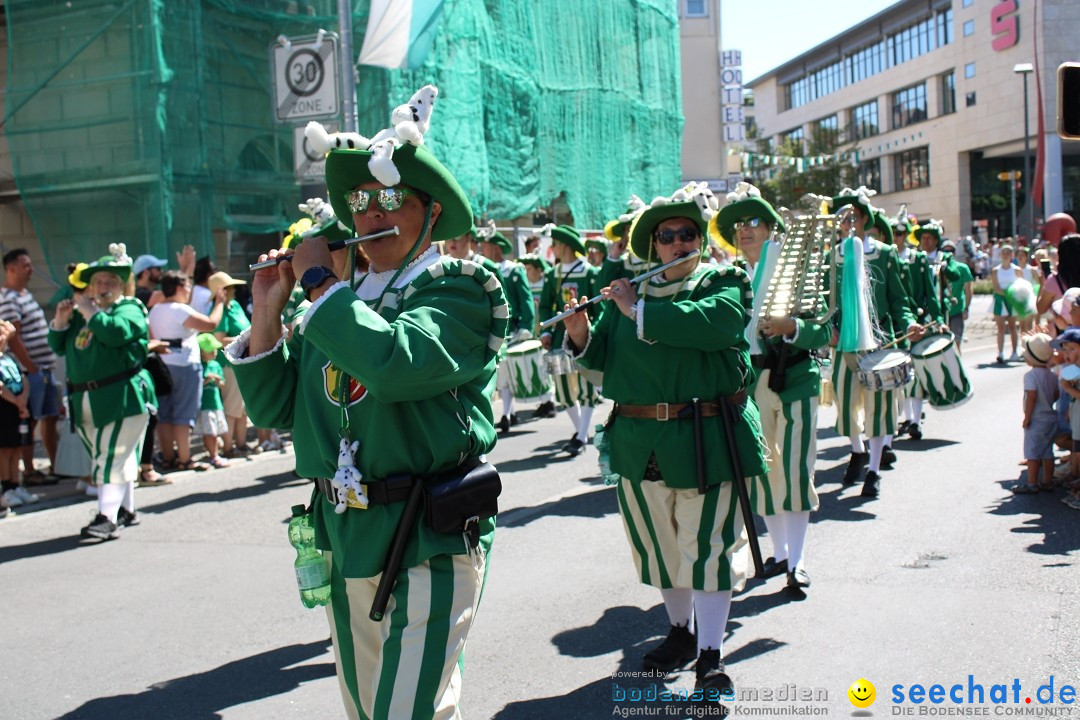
884 370
939 372
529 376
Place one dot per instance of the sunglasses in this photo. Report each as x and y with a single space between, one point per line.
748 222
389 199
685 234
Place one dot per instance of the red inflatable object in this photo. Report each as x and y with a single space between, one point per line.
1056 226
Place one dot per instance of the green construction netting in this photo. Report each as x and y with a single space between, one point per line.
151 122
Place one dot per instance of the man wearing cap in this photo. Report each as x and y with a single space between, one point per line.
596 250
785 387
496 248
103 336
676 339
396 371
618 263
856 261
570 277
147 272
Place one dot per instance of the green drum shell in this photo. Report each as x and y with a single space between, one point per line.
957 390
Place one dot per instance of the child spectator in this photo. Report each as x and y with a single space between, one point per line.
1040 418
211 422
1069 343
15 393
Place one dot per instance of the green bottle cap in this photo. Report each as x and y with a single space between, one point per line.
298 510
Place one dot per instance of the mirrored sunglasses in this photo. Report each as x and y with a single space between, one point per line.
748 222
668 236
388 199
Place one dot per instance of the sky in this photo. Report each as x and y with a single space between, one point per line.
771 32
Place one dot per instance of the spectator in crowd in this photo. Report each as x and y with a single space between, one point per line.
1040 418
14 394
1001 278
1067 275
960 295
30 345
1068 343
175 322
201 297
1030 273
147 272
211 424
233 322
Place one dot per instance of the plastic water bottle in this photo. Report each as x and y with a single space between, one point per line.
312 573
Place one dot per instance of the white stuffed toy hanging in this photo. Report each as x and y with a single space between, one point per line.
347 476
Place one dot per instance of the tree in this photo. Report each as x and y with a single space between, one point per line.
823 170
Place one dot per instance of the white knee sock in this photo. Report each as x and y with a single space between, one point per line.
857 444
711 610
888 440
575 415
679 603
877 444
129 497
911 416
507 397
549 396
778 534
796 524
586 420
109 498
916 410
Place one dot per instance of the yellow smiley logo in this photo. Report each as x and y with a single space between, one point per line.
862 693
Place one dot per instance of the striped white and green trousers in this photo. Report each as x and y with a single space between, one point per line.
790 432
573 389
114 448
858 409
682 539
407 665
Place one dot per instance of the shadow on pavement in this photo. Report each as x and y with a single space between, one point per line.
202 696
287 479
41 548
1055 522
594 504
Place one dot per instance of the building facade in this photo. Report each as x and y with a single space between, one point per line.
926 99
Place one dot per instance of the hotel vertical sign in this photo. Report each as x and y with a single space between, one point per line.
731 89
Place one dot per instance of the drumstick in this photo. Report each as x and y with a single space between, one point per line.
639 279
335 245
899 339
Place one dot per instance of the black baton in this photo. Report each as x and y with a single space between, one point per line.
699 449
396 552
727 414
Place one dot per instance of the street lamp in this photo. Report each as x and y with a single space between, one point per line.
1026 69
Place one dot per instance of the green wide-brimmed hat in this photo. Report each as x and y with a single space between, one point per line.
884 227
934 227
534 260
568 236
745 201
614 229
500 241
860 198
694 202
106 263
598 244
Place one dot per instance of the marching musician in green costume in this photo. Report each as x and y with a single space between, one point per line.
391 378
786 386
104 335
678 339
497 248
872 310
618 263
570 277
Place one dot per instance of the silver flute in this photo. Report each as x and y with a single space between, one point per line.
639 279
335 245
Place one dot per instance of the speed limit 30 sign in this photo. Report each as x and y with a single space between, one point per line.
305 77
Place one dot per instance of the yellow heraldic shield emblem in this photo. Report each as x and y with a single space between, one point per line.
82 340
332 385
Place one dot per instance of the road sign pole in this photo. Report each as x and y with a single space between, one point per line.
1012 189
348 81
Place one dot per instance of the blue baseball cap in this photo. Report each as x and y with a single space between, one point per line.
145 262
1072 335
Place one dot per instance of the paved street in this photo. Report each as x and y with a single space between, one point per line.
194 614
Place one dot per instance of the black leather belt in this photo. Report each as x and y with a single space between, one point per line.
395 488
110 380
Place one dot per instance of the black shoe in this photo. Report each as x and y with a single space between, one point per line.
677 649
504 424
513 419
888 457
126 518
102 528
771 568
711 676
545 410
854 469
903 429
574 447
872 485
798 579
915 433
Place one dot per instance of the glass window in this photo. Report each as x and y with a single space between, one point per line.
827 130
912 169
969 70
864 121
869 173
969 28
969 99
948 93
793 137
967 3
696 9
909 106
